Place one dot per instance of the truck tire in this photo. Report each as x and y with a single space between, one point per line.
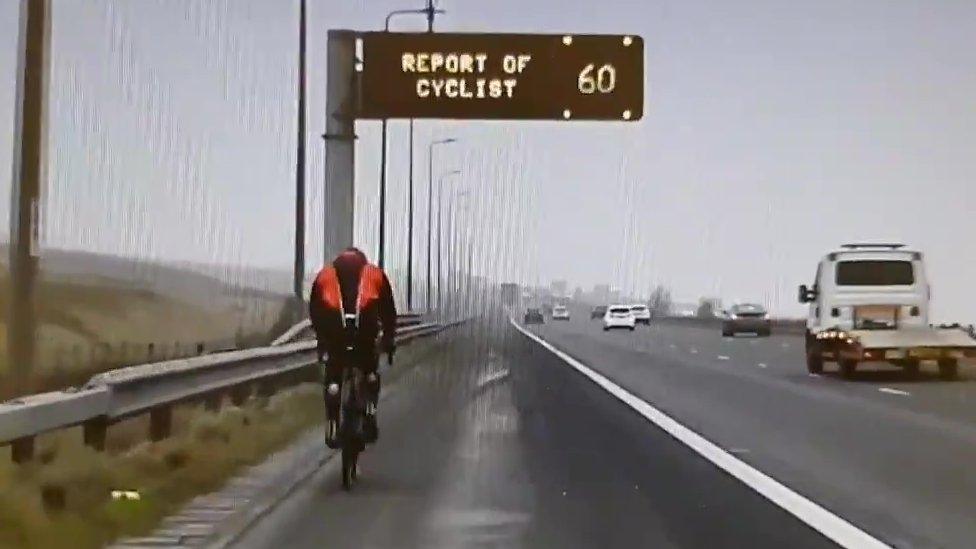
814 360
911 366
948 368
847 367
726 332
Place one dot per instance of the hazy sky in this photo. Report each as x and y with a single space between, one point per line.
773 131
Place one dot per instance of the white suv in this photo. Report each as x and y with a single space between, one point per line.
641 313
560 312
619 316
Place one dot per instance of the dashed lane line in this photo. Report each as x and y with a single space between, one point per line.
830 525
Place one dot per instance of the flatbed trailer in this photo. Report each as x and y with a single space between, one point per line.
905 347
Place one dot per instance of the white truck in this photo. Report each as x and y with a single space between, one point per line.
870 302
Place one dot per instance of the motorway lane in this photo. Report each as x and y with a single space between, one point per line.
498 443
901 467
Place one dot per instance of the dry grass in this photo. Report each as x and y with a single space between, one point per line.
204 451
88 328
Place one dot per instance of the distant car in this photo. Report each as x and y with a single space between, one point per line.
534 316
560 313
641 313
619 316
746 317
598 312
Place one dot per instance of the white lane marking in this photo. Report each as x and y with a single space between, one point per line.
762 364
492 378
891 391
673 346
813 375
830 525
693 351
723 357
784 345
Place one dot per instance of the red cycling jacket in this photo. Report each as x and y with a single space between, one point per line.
352 285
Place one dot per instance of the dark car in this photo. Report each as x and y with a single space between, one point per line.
598 312
746 318
534 316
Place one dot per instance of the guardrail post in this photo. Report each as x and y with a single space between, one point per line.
95 432
22 450
212 402
160 423
199 348
239 394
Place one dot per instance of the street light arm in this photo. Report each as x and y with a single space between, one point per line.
394 13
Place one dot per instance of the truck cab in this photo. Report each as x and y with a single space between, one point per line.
868 286
870 302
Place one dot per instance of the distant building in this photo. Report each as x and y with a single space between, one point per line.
601 294
510 293
578 294
558 287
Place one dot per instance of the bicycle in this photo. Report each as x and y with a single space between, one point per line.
352 413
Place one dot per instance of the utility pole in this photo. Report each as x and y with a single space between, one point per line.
30 115
299 281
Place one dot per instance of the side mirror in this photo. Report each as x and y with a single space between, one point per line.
806 295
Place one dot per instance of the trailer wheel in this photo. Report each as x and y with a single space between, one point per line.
814 360
847 368
948 368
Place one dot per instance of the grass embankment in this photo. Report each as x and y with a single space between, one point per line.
205 450
86 328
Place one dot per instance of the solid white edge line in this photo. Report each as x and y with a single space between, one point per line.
830 525
894 391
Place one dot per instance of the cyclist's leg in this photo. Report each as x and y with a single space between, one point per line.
332 392
369 362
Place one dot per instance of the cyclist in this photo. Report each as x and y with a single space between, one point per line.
351 301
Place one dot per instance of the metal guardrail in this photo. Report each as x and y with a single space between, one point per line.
304 328
779 325
155 388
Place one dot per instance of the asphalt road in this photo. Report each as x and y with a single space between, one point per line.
893 455
499 443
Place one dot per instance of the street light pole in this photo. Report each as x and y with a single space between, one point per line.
430 226
430 12
382 242
299 281
430 187
410 227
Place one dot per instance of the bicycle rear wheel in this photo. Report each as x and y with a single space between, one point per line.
350 455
